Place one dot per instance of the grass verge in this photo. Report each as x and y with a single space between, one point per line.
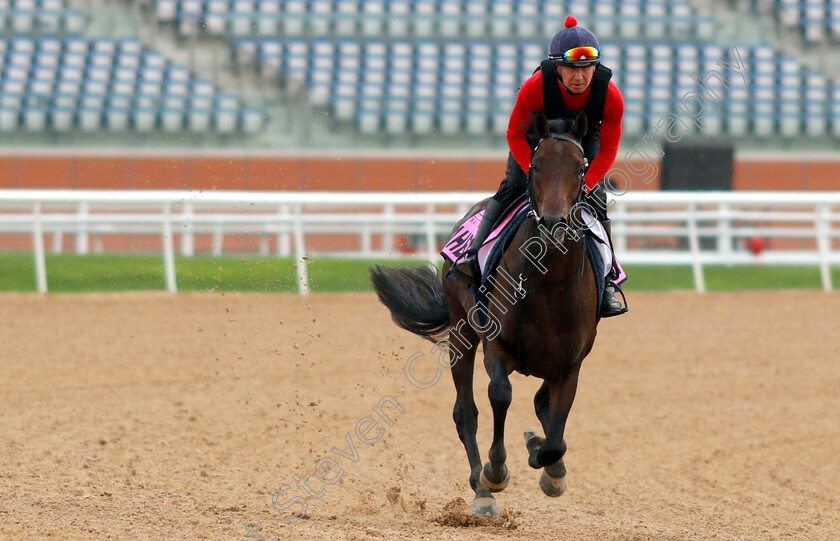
67 273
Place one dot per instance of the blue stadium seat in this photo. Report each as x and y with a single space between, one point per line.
790 124
816 124
501 18
450 19
215 17
143 119
397 21
422 20
225 120
117 119
34 119
199 120
266 22
346 16
90 119
422 109
171 120
61 119
372 18
656 21
166 11
9 119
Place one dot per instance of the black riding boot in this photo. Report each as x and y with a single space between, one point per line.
610 306
467 267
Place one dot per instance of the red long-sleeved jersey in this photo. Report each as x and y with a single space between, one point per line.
529 100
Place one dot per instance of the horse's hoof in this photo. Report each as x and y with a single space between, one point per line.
533 443
485 506
491 486
552 486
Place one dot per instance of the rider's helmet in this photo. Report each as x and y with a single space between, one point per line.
574 46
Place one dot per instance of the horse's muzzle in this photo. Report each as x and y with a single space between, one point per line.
555 231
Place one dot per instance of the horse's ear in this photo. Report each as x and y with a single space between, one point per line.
541 124
581 124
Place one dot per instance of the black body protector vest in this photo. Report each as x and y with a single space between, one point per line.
554 107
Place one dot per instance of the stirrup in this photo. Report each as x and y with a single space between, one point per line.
623 309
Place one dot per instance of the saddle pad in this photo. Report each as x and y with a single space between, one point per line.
604 247
461 240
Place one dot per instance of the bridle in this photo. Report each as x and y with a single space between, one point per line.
581 192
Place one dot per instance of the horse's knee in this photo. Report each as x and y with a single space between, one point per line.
500 392
463 419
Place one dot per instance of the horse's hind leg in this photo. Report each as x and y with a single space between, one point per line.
495 476
465 413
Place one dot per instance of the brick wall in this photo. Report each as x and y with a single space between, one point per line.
343 174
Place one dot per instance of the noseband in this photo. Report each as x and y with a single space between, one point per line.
581 192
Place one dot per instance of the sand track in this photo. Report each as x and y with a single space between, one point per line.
130 416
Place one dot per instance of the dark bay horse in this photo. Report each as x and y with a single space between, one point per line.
541 319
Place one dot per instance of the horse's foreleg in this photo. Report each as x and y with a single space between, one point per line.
541 407
552 403
553 478
495 476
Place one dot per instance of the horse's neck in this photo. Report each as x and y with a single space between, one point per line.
559 265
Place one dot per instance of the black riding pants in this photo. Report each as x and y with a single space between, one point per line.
514 185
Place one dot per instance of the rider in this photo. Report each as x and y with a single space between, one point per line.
570 80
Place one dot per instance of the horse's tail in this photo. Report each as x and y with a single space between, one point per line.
415 298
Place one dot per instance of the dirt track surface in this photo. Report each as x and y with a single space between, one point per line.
138 416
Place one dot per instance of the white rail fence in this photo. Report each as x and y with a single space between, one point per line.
659 228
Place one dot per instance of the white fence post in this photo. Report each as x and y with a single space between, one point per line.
82 229
694 246
366 244
725 233
58 240
300 252
218 239
187 237
823 228
168 249
283 249
388 236
431 242
38 248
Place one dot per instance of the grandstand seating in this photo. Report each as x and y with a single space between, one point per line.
40 17
399 67
430 19
453 66
815 20
71 84
457 87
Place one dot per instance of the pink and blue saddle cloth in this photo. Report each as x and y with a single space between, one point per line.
598 248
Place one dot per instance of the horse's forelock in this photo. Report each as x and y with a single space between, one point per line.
560 126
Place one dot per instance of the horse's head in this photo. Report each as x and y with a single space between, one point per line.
558 165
